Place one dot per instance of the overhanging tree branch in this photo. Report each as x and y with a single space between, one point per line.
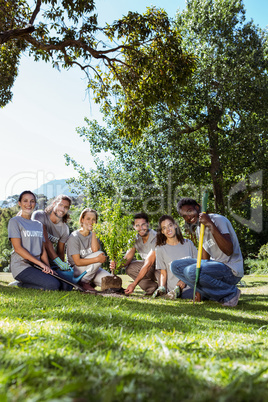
36 11
16 33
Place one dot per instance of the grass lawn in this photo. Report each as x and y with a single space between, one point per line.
68 346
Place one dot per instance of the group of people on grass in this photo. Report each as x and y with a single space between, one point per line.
168 265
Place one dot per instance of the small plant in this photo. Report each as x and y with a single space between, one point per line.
115 231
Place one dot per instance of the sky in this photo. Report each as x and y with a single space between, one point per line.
39 126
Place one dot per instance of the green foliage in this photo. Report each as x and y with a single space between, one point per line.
215 138
79 347
115 231
255 266
226 101
11 15
145 49
5 245
5 259
263 252
161 62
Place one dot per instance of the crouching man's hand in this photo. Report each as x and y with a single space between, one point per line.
130 289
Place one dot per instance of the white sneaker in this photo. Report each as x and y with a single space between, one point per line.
174 294
15 283
171 295
234 301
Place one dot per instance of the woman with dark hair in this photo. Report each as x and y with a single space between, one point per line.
83 251
170 246
27 239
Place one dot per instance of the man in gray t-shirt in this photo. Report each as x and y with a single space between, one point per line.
142 271
56 231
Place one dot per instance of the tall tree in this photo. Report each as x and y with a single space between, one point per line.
226 105
218 133
217 136
126 57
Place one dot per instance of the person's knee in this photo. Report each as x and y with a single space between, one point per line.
174 267
53 284
190 272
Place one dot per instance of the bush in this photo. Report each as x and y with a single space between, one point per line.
5 260
256 266
263 252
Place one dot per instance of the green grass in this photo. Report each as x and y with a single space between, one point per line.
60 346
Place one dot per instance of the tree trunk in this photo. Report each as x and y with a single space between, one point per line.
215 170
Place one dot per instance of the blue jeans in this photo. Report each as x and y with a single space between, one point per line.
216 280
35 279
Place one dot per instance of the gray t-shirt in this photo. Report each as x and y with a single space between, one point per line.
57 232
145 248
78 244
234 261
31 234
166 254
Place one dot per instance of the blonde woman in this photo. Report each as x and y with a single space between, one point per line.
83 251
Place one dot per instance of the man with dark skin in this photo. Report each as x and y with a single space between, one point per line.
222 262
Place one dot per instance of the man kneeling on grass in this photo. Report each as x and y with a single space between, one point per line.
170 246
222 261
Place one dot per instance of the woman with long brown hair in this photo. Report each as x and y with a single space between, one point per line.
170 245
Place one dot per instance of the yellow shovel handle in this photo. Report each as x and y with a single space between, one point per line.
200 246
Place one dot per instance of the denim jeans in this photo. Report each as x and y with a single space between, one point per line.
35 279
216 280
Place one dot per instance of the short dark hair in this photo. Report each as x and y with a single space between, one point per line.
141 215
26 192
187 201
161 238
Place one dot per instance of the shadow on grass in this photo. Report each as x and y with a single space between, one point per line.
138 315
143 379
255 284
96 354
106 367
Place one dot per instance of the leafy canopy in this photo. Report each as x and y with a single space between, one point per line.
214 138
131 64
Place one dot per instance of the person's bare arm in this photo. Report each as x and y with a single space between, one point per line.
44 256
223 241
129 255
205 255
19 249
49 246
144 269
163 278
61 250
79 262
95 245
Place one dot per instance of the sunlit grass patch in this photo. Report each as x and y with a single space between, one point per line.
73 346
